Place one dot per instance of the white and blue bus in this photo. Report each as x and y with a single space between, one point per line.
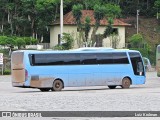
55 70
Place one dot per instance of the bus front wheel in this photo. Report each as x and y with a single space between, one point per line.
126 82
57 85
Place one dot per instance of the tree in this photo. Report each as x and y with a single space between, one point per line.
112 11
136 41
109 11
77 14
76 11
30 12
2 15
157 6
99 13
109 29
115 39
87 27
49 9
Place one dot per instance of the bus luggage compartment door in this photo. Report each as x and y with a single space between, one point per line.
18 75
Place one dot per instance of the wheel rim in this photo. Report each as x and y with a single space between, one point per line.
57 85
126 83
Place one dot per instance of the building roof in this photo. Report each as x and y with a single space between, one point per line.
68 19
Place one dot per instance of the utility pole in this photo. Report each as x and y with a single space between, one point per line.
61 21
137 19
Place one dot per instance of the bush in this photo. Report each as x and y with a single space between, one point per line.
17 41
30 40
3 40
68 42
7 72
136 41
20 42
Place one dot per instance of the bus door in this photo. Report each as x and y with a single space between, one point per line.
17 67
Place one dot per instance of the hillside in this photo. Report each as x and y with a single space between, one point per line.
148 27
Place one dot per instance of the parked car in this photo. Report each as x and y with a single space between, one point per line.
147 64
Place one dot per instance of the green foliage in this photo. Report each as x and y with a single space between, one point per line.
99 13
17 41
157 6
3 40
137 43
9 41
145 7
89 4
87 26
28 16
30 40
58 47
34 41
108 30
5 52
76 11
20 42
25 17
68 42
147 52
7 72
112 10
157 3
136 40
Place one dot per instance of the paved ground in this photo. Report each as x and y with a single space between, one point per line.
137 98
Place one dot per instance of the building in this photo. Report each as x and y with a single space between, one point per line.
71 27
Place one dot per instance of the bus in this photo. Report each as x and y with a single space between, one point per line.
158 60
55 70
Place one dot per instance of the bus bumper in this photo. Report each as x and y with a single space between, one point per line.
17 84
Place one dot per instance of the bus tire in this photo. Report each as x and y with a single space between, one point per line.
44 89
112 87
126 82
57 85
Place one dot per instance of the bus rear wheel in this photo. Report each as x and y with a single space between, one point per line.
112 87
126 82
44 89
57 85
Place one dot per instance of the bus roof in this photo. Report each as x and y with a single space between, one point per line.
80 50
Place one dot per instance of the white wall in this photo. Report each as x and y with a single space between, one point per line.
121 35
55 30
